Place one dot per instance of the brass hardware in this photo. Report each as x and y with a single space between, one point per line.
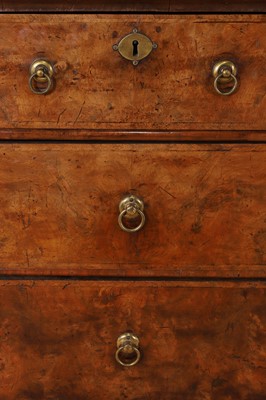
130 208
41 73
127 353
135 47
225 72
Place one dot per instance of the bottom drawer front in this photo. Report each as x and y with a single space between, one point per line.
197 340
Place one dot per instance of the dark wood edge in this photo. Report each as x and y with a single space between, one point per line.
151 6
133 271
81 135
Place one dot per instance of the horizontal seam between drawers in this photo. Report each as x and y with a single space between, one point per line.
132 13
141 142
127 279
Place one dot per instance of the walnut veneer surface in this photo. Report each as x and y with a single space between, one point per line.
198 340
99 90
205 208
191 283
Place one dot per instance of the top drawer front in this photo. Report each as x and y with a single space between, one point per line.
172 89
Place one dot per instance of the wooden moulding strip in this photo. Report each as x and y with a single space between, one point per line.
117 135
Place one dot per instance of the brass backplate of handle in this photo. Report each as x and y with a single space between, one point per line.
127 353
41 76
225 73
135 47
131 208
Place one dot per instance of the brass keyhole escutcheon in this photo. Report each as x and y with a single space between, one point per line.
135 47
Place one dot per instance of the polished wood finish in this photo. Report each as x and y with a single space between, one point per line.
192 283
205 209
171 90
58 340
134 6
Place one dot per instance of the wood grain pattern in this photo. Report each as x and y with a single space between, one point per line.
205 209
134 6
198 341
171 90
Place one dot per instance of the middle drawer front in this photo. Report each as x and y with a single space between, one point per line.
204 207
172 89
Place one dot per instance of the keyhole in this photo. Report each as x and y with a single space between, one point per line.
135 44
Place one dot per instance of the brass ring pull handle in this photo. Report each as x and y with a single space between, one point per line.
40 80
127 353
224 73
131 207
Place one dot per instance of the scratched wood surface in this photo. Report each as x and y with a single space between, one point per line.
204 204
198 341
172 89
133 6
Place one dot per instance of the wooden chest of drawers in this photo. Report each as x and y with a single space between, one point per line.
132 201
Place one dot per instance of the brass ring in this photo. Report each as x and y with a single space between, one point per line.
40 91
216 81
131 364
137 228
